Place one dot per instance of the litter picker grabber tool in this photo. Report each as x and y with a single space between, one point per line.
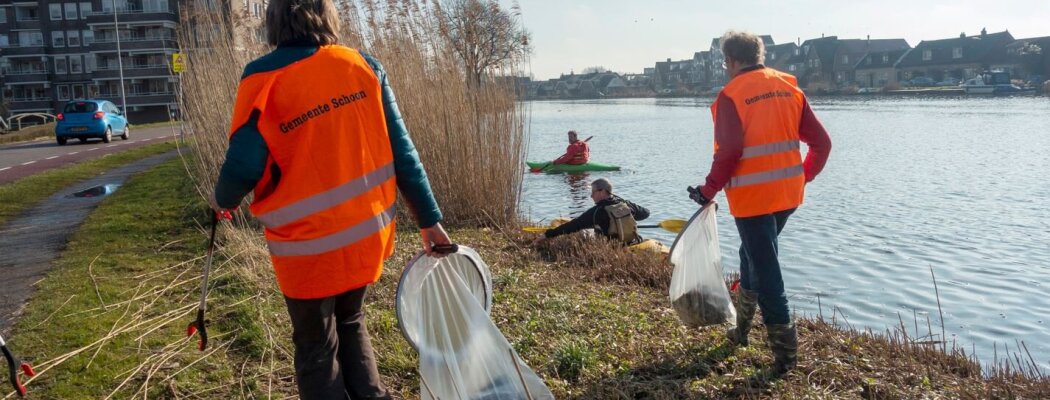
13 365
200 324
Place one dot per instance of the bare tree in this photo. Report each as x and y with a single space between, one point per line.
484 35
597 68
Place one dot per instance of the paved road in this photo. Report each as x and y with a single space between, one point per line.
24 159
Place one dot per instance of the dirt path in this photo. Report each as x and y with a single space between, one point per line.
29 243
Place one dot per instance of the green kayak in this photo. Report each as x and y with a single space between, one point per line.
546 166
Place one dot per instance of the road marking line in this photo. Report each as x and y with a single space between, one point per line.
112 145
5 168
27 163
75 152
51 158
93 148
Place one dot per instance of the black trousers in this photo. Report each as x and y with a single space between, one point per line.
334 359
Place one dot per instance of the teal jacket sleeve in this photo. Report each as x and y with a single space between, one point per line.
411 177
244 165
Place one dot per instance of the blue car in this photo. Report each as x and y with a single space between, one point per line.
86 119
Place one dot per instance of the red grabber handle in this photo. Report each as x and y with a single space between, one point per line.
198 326
224 214
13 364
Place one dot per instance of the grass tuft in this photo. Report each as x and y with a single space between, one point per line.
572 359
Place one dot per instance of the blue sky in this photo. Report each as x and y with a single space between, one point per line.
628 35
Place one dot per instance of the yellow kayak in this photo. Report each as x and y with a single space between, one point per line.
646 245
651 245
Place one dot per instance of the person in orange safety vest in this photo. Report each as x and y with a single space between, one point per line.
318 137
761 116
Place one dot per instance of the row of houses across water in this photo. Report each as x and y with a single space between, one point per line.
826 65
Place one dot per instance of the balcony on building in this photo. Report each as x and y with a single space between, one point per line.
145 37
34 96
24 69
135 11
149 91
152 65
25 43
27 16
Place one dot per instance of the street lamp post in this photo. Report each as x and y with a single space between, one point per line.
120 62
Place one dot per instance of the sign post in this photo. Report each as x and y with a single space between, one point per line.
178 63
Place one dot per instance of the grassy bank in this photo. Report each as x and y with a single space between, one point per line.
110 320
27 134
18 195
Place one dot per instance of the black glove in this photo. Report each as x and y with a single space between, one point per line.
696 195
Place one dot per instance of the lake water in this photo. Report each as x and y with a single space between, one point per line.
959 184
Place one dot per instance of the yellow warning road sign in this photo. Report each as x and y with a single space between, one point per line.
178 63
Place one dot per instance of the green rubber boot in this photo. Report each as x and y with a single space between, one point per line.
747 303
783 340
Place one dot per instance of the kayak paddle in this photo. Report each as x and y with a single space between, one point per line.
670 225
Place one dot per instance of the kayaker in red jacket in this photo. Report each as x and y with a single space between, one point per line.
577 153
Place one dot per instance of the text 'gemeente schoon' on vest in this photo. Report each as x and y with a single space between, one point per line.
321 109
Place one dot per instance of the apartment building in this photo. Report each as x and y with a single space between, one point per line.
53 51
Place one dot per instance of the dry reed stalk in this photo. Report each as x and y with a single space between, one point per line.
95 282
54 312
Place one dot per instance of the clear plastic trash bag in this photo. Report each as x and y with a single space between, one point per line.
698 290
442 309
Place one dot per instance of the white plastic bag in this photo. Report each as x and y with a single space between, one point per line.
442 307
698 291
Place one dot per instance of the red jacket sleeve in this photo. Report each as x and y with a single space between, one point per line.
813 134
729 134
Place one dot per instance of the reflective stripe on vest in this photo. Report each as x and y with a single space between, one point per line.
769 148
336 240
327 199
766 176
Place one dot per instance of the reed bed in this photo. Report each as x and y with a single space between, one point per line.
606 261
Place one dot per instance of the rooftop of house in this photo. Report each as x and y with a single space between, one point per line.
855 46
782 54
881 59
980 48
824 48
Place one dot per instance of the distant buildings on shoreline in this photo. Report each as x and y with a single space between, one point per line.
824 65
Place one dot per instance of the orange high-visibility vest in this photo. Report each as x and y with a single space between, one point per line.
329 218
769 176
